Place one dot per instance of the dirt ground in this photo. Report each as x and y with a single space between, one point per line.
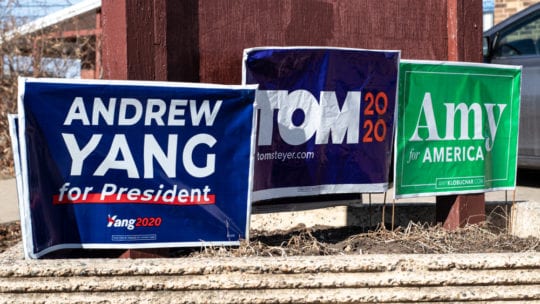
10 234
415 238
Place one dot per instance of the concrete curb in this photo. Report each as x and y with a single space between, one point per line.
305 279
526 219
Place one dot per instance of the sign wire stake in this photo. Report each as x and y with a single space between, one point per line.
512 209
508 219
370 212
383 212
393 212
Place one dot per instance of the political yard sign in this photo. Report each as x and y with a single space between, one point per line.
457 128
325 119
133 164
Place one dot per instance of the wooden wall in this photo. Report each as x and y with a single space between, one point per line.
202 40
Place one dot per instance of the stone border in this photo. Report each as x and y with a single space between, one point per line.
371 278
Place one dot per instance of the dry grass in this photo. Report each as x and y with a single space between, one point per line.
413 239
491 236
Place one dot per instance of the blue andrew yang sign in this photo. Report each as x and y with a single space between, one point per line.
118 164
325 119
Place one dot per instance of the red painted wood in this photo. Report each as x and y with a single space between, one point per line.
114 39
417 28
150 40
131 50
456 211
464 30
145 253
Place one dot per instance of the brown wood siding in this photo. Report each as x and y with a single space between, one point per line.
417 28
203 40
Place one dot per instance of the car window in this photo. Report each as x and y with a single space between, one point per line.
520 40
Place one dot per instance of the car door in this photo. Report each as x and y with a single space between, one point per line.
519 44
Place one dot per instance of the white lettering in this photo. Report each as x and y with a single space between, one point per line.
298 134
77 154
493 125
266 102
452 154
152 150
77 112
125 104
108 189
452 109
176 111
99 109
339 122
157 114
325 120
131 111
431 125
204 111
119 145
187 156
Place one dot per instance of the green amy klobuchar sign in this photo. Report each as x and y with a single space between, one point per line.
457 128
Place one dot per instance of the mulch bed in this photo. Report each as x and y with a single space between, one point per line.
416 238
10 234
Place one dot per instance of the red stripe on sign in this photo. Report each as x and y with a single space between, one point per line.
95 198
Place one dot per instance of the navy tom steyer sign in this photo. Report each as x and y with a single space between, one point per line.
325 119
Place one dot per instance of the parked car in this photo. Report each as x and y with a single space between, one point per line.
516 41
